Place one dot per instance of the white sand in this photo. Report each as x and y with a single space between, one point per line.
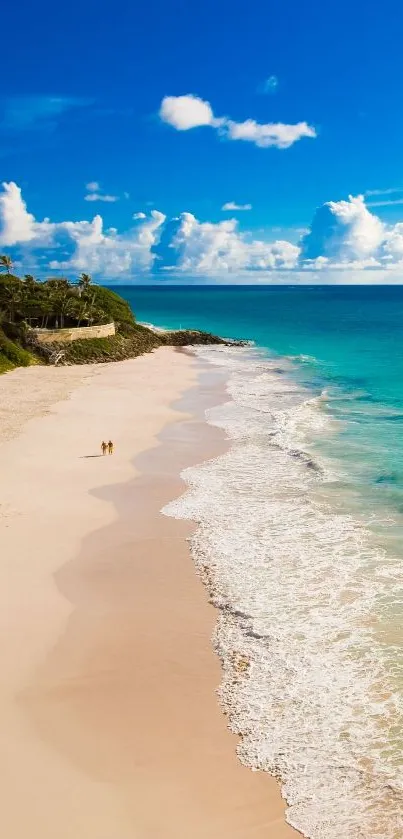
109 724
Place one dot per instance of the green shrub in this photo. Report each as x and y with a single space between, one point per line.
16 355
114 348
115 308
5 364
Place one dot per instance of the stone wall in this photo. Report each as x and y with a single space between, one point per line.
65 336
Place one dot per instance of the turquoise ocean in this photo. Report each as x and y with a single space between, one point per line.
300 539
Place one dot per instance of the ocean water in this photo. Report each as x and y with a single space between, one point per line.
300 540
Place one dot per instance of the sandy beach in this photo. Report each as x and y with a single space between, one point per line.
110 725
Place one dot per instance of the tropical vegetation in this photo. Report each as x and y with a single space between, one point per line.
27 304
55 303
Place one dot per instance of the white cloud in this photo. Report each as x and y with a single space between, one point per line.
363 231
89 247
379 195
393 245
17 224
385 203
185 112
109 253
269 134
208 248
96 196
231 205
344 232
389 191
345 243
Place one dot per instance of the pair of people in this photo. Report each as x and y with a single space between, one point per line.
107 447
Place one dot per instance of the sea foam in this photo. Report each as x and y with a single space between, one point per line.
299 585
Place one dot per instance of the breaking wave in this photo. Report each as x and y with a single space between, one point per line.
302 587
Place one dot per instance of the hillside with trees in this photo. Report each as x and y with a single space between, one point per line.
27 304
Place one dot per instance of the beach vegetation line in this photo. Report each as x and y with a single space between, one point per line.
29 307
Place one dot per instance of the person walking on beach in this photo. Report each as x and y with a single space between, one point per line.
110 447
104 447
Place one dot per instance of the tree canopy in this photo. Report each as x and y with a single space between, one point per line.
56 302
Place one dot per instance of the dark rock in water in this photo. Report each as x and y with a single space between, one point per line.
194 337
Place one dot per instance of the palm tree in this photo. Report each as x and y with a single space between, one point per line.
84 281
29 296
6 263
94 314
11 294
59 295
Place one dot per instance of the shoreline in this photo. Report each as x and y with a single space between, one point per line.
120 715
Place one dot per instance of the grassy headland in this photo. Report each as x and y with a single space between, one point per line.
26 304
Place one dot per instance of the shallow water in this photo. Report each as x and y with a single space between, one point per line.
300 543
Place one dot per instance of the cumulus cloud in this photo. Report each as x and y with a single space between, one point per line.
231 205
88 246
17 225
184 112
196 247
189 111
393 245
344 232
345 243
93 186
109 253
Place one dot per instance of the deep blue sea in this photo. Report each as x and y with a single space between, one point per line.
309 574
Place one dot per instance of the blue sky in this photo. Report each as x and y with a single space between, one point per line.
81 104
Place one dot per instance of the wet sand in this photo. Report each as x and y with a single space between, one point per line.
111 727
